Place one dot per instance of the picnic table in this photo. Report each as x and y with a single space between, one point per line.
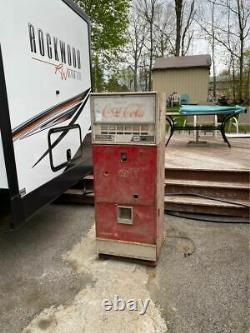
225 113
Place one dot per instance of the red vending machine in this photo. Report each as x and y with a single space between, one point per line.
128 135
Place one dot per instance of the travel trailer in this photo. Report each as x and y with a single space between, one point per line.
45 84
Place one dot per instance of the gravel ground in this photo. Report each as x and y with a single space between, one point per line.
51 280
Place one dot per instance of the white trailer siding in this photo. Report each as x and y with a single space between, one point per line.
33 35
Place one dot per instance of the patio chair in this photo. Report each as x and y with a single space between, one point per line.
234 122
184 99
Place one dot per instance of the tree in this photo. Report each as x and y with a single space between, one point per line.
120 80
207 18
147 9
186 37
213 46
243 14
233 36
137 33
109 20
184 19
179 15
164 34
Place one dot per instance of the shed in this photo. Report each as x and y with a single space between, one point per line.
187 75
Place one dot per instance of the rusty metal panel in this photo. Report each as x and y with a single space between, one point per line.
143 229
125 173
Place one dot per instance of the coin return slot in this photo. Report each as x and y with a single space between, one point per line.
124 157
125 215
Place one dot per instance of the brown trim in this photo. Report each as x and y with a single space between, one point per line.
180 68
27 127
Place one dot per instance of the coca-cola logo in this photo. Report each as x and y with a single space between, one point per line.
131 110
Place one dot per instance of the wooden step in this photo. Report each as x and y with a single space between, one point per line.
213 189
230 176
194 200
207 183
179 203
194 204
220 189
223 176
230 185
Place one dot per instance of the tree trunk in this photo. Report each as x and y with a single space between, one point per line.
234 79
213 53
248 84
178 12
151 45
241 68
95 76
136 76
241 28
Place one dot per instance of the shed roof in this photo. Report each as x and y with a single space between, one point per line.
202 60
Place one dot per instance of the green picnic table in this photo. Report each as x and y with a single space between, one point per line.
225 112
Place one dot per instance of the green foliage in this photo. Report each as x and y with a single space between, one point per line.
97 75
109 21
113 84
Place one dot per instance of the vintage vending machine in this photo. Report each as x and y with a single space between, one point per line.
128 136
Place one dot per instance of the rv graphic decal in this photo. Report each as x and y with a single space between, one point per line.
50 117
65 132
62 70
44 45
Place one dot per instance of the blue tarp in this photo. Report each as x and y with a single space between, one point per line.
210 109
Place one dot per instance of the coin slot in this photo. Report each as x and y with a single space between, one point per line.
124 157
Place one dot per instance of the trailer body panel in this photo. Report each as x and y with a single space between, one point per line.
45 55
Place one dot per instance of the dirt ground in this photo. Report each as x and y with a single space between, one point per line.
52 281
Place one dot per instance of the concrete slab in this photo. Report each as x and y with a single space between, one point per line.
51 280
33 275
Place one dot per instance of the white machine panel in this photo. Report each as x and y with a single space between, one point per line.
124 118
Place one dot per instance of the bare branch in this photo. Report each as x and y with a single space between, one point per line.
217 39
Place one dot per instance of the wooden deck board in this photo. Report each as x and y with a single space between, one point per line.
215 155
190 200
206 183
